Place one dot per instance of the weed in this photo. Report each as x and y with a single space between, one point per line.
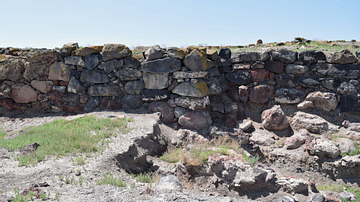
109 179
132 185
333 188
145 177
63 137
61 177
172 156
251 160
80 160
57 195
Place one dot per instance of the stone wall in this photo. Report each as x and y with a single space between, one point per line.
191 87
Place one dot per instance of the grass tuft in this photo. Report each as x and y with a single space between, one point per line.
109 179
62 137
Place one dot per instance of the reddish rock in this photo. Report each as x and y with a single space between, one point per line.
55 95
167 112
42 86
259 75
23 93
7 103
63 83
55 82
274 119
261 93
243 93
84 98
355 128
75 108
275 66
197 120
297 139
110 104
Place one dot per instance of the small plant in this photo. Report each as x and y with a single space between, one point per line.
61 177
144 178
109 179
80 160
172 156
67 180
251 160
81 181
132 185
57 195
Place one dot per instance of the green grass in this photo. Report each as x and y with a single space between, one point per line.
61 137
333 188
172 156
251 160
109 179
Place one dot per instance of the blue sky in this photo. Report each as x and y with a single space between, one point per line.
167 23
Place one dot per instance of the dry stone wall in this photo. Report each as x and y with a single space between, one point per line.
191 87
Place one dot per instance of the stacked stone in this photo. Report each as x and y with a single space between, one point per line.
191 87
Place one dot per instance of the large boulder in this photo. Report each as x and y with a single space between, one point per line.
249 56
225 53
91 61
75 86
196 60
338 71
34 71
197 120
115 51
23 93
345 145
190 89
239 77
275 66
161 66
274 119
189 75
42 86
311 56
131 101
341 57
259 75
284 55
151 95
285 81
288 96
88 50
296 69
75 60
323 100
297 139
341 87
103 90
59 71
12 68
134 87
190 102
112 65
323 147
155 52
170 182
214 86
310 122
261 93
261 137
129 74
350 103
167 112
156 81
308 82
45 56
175 52
94 76
68 48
